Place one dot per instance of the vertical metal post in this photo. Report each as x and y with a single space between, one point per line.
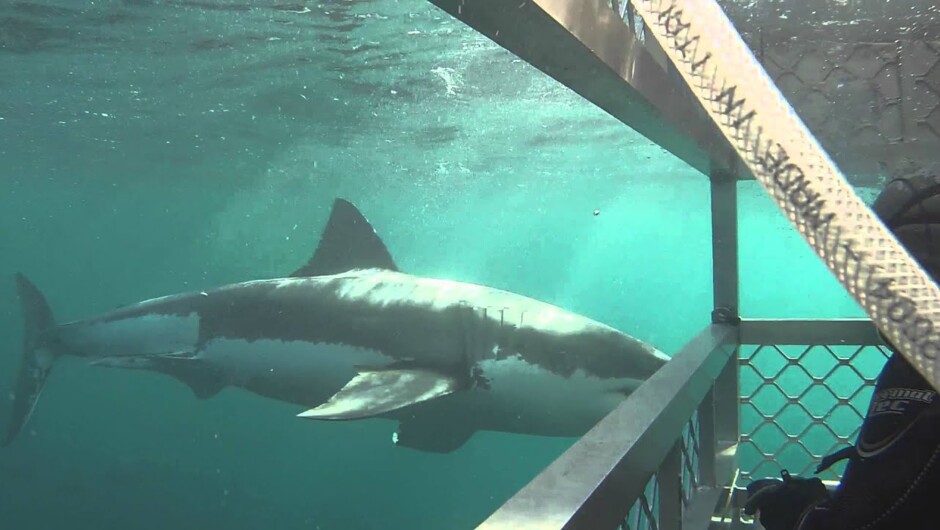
727 403
669 482
708 440
724 210
724 205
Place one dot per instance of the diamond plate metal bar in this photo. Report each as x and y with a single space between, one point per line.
781 152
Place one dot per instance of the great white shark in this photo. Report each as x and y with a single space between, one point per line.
349 336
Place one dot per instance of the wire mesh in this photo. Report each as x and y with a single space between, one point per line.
865 78
866 74
644 513
800 403
690 447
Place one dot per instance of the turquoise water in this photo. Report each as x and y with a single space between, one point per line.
157 147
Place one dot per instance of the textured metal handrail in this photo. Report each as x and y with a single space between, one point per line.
594 483
805 184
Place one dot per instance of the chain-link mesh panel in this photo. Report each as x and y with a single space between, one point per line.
875 103
864 75
866 82
643 514
848 94
800 403
922 61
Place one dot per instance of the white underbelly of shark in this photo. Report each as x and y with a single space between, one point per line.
291 371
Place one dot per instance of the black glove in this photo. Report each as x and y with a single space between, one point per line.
781 502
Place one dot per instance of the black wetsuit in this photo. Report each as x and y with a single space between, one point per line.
892 480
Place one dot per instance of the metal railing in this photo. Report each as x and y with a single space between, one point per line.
604 479
676 453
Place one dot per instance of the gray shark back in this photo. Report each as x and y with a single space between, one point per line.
408 318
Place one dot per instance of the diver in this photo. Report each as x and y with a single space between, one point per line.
892 477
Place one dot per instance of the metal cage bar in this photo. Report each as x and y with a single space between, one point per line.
857 331
588 47
595 482
669 481
724 214
673 451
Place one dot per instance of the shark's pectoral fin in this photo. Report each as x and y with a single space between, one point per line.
372 393
430 435
202 379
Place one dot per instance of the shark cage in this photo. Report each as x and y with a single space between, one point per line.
744 394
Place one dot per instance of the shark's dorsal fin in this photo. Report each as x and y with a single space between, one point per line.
348 242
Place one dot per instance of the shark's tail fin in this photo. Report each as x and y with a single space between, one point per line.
38 355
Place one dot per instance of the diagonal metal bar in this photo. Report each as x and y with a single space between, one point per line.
588 47
593 484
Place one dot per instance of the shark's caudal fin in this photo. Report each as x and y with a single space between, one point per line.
38 355
348 242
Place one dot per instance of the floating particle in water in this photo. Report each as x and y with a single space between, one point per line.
597 212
